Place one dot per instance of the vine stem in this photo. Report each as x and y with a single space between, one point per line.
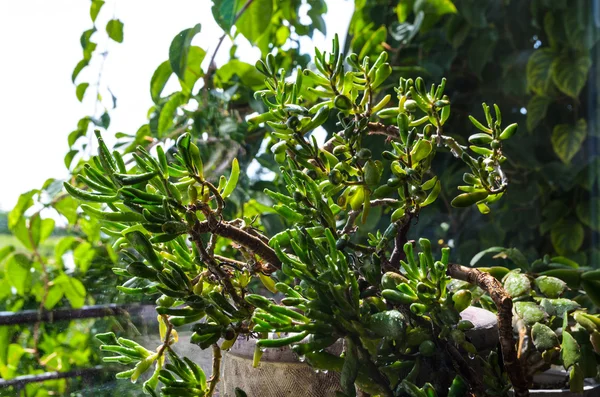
211 67
504 305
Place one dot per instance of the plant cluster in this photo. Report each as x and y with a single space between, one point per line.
391 307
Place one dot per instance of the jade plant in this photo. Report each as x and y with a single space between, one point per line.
394 302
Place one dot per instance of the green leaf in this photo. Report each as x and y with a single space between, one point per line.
517 284
390 323
74 290
25 201
5 336
83 255
69 157
17 272
481 50
55 294
114 28
530 312
179 49
95 9
255 20
567 139
558 307
588 212
80 90
6 251
224 13
570 73
268 282
168 112
567 236
536 110
63 245
437 7
233 179
159 80
67 207
552 287
247 74
193 71
543 337
21 232
570 350
78 68
579 25
539 69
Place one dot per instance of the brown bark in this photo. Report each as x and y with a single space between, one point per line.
504 305
253 243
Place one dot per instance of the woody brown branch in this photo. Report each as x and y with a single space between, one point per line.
253 243
504 305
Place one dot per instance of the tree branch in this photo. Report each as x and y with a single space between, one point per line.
253 243
504 305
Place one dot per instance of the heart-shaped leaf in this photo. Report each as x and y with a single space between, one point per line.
567 139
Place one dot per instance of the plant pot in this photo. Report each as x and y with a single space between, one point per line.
552 382
280 373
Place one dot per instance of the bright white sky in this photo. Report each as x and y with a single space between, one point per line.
39 43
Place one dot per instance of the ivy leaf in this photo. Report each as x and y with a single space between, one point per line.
570 350
95 9
25 201
570 73
114 28
69 157
481 50
159 80
567 139
165 120
67 207
17 272
433 10
588 212
255 19
83 255
78 68
55 294
80 90
193 71
179 49
224 13
247 74
539 69
579 26
567 236
536 110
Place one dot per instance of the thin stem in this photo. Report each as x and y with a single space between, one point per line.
216 369
211 65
